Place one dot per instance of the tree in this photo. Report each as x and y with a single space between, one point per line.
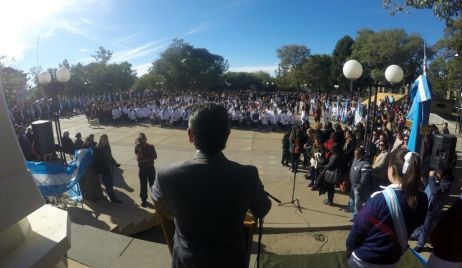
316 70
446 10
149 81
102 55
445 71
64 64
184 66
292 58
341 53
13 81
377 50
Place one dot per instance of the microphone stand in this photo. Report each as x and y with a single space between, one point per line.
295 202
260 230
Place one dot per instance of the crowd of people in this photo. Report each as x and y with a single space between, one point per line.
342 147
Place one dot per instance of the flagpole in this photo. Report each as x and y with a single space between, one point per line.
425 59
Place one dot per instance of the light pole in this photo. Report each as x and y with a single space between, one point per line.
54 85
353 70
336 87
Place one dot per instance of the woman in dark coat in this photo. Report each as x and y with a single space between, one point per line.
335 165
104 164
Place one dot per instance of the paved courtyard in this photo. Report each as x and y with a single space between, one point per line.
262 149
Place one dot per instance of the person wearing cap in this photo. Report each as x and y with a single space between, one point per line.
145 155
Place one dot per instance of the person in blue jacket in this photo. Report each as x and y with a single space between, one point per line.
374 241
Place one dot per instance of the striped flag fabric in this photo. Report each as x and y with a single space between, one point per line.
54 179
419 114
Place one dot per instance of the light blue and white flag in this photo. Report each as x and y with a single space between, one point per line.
419 114
359 113
54 179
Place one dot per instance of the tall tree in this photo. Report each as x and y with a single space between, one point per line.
341 53
291 59
184 66
377 50
316 70
102 55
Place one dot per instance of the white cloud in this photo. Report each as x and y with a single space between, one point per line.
83 50
199 28
24 20
250 69
133 53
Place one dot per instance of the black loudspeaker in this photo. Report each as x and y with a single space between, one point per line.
443 151
44 141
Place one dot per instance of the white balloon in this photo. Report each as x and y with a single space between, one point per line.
352 69
44 78
63 75
394 74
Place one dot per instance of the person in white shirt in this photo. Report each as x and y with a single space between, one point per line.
264 120
132 115
116 113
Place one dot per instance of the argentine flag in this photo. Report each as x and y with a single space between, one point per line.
359 114
419 114
54 179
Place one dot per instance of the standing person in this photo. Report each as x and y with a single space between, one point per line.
67 144
438 188
145 155
78 142
380 167
316 160
334 165
381 230
103 164
296 143
211 184
361 180
286 149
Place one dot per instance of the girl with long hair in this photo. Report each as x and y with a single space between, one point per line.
382 228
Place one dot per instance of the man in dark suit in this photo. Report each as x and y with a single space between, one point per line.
209 196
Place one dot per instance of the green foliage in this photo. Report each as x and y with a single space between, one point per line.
341 53
100 76
102 55
183 66
377 50
149 81
446 10
243 80
12 80
316 72
291 58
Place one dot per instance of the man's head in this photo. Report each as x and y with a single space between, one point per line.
209 128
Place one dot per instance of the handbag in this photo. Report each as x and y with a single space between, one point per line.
332 176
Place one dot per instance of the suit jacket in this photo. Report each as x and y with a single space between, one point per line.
209 197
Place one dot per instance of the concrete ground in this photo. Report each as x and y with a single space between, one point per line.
282 225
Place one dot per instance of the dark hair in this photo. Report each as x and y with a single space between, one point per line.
209 124
410 180
336 148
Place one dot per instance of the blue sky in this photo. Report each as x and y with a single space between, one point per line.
245 32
